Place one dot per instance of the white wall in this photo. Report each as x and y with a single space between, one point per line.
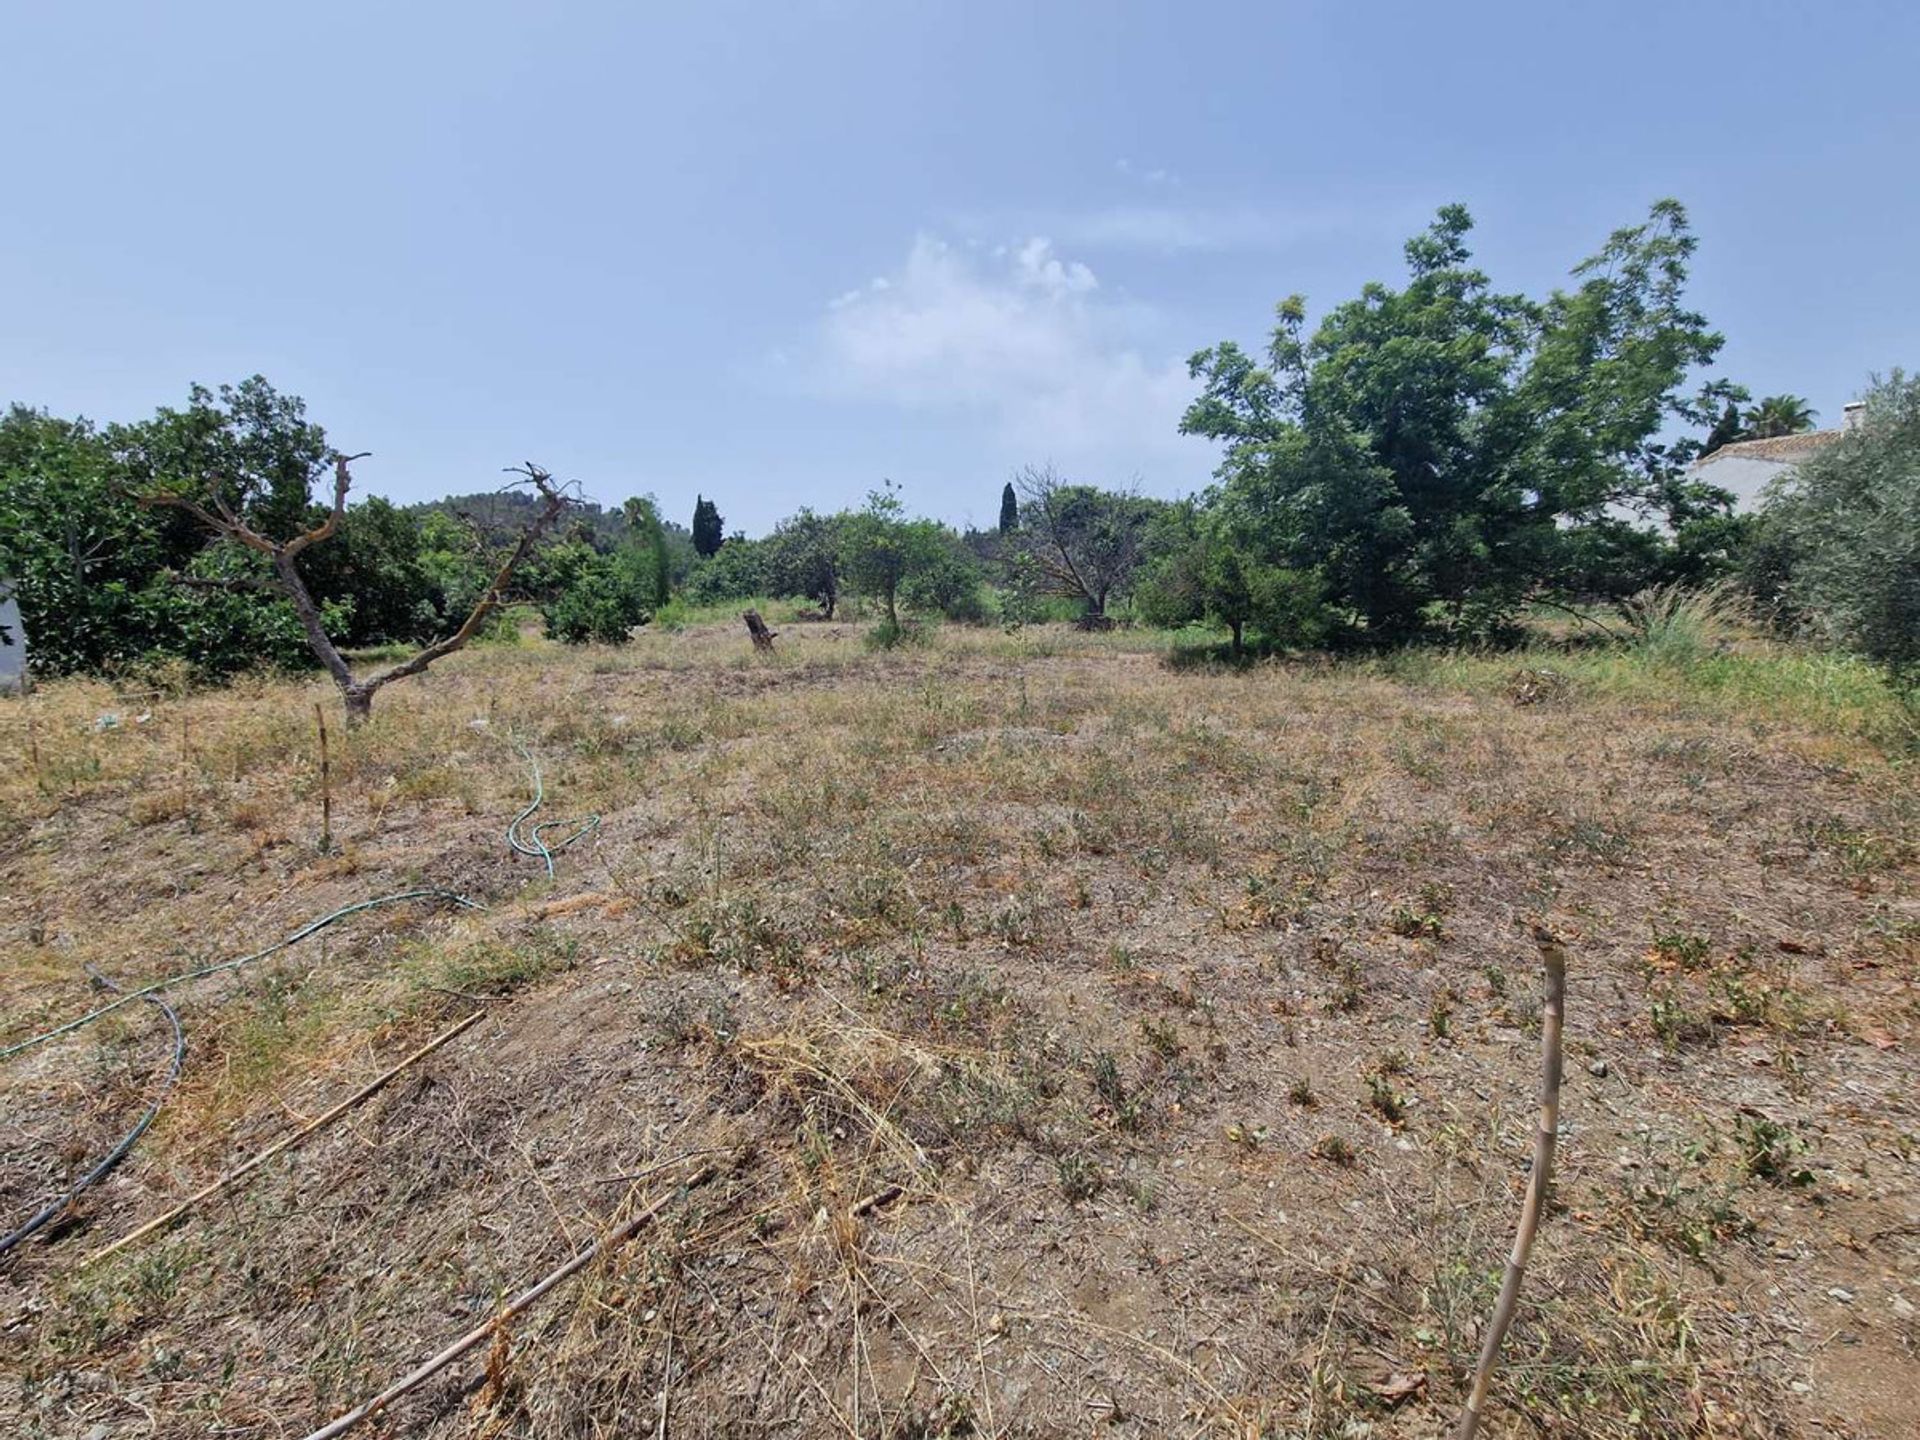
13 643
1745 476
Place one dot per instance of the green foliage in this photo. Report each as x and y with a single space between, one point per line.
602 599
1079 541
1428 450
93 570
709 531
374 574
1678 626
247 448
803 558
737 571
1838 551
1778 415
1009 509
1210 566
881 549
646 533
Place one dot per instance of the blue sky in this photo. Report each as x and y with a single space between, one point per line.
773 253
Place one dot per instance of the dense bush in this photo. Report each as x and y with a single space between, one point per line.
604 597
736 571
1838 550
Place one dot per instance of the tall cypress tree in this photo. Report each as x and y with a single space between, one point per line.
1009 510
708 532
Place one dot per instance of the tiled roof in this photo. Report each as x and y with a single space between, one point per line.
1783 449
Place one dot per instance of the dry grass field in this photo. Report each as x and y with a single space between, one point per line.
1072 1042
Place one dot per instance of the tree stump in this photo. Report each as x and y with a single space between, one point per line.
762 636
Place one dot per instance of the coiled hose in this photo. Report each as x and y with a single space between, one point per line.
530 842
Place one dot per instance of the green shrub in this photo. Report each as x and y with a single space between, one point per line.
1838 553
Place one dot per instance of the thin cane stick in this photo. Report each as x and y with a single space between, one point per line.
1552 1015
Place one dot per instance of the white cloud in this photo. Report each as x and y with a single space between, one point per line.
1151 175
1052 364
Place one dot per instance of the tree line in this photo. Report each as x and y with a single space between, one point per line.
1428 462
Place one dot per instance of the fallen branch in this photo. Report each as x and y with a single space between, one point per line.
1552 1014
480 1333
233 1176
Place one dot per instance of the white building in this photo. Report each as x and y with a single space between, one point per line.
1747 466
13 643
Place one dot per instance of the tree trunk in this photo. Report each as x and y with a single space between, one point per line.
359 703
1239 647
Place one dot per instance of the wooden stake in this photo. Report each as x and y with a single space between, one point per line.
326 783
481 1333
160 1222
1552 1013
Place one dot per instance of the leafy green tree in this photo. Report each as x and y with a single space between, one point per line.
881 549
603 599
1776 415
646 532
803 558
709 531
1840 535
374 574
947 580
737 571
1205 567
1427 450
94 572
1009 509
1729 428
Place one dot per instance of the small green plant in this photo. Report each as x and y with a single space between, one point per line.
1769 1149
1679 950
1335 1151
1301 1093
1080 1179
1440 1015
1162 1037
1384 1100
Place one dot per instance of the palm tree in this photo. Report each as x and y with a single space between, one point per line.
1779 415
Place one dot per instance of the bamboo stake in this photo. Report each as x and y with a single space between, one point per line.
287 1142
1552 1013
326 783
419 1376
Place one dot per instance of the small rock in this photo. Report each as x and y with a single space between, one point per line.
1598 1069
1845 1297
1902 1307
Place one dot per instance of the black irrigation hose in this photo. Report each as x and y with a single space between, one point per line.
149 993
113 1157
529 843
310 928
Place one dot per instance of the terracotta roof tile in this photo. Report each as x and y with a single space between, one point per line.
1782 448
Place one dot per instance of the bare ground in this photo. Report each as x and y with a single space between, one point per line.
1080 1045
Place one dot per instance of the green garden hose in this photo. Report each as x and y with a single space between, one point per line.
530 842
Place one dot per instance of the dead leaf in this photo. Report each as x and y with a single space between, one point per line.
1400 1386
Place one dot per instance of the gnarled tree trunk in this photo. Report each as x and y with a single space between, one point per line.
356 693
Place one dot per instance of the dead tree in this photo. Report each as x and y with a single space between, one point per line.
762 636
357 692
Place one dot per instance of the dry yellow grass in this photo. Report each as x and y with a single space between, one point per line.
1089 1041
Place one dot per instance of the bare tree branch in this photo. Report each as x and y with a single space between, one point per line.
358 694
